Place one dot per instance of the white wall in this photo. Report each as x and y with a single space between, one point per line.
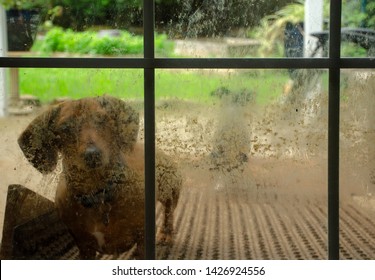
3 51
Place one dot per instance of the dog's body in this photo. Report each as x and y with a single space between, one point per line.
100 195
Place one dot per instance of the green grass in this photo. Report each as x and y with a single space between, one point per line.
49 84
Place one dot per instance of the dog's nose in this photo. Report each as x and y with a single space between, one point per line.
93 156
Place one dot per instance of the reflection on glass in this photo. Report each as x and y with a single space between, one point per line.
253 157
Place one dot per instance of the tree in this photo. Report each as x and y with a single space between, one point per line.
211 18
183 18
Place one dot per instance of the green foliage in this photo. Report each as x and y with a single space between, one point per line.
191 18
354 16
349 49
82 14
351 14
21 4
370 19
88 42
271 29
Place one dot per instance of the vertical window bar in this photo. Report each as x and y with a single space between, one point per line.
334 130
149 126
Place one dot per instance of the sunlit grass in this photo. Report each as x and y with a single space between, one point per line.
193 85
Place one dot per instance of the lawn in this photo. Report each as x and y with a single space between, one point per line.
49 84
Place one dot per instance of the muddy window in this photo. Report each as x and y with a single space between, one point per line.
253 152
242 28
357 156
238 102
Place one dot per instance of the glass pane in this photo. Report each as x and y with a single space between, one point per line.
252 149
357 165
358 25
73 28
68 138
242 28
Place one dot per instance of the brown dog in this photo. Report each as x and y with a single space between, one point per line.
100 195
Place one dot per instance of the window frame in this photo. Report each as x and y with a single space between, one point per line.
334 63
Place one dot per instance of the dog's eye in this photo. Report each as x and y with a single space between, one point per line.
87 201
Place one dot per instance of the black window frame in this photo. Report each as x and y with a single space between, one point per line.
334 63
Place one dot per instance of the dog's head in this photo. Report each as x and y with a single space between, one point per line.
87 132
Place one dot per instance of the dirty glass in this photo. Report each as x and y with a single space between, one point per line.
241 154
69 143
253 152
242 28
357 166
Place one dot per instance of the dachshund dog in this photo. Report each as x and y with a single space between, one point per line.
100 194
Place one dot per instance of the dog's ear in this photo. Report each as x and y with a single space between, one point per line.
127 120
38 141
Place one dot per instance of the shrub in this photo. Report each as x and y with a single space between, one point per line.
271 29
88 42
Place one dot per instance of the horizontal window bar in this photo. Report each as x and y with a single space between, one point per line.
265 63
357 62
242 63
66 62
181 63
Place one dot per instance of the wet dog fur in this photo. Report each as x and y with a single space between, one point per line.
100 194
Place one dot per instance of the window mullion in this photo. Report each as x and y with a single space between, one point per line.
334 130
149 127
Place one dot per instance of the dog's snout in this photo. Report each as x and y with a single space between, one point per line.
93 156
